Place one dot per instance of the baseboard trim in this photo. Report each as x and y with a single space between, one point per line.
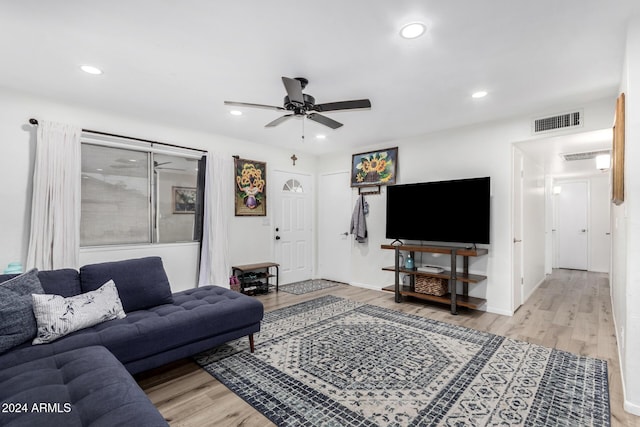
498 311
631 408
366 286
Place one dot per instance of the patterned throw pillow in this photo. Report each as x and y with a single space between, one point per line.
17 324
57 316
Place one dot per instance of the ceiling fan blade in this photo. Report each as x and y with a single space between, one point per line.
294 90
247 104
343 105
279 120
324 120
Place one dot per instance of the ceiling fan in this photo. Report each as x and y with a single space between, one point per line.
298 104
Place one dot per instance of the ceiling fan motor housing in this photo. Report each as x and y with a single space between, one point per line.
309 104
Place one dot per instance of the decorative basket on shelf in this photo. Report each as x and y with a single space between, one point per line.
431 285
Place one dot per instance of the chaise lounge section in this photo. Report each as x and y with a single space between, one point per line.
159 327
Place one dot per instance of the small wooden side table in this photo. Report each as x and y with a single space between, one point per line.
263 273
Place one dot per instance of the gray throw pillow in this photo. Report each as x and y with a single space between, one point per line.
17 322
57 316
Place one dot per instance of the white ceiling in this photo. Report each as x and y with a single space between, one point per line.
175 62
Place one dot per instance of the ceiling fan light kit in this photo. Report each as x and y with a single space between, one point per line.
299 104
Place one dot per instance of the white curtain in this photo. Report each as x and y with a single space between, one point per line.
55 208
218 205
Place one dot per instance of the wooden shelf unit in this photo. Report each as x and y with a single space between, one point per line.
452 275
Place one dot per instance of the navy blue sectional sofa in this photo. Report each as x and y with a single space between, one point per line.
84 378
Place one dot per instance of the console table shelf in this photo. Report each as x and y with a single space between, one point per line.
452 275
468 278
461 300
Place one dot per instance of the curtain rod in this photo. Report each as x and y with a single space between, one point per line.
34 122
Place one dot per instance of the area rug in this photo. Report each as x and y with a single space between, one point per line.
336 362
306 286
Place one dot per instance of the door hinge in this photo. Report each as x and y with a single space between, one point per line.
522 280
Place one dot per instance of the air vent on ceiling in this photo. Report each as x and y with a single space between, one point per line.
557 122
584 155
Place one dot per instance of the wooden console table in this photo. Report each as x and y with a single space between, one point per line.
452 298
262 274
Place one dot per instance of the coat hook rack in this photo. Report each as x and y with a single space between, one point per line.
374 189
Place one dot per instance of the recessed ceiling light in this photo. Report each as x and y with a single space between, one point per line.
99 169
91 69
413 30
132 160
321 136
235 112
479 94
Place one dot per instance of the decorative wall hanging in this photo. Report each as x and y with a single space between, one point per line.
184 200
617 168
251 188
374 168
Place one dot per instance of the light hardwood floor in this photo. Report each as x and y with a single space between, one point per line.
571 310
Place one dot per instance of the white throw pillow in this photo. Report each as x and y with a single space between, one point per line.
57 316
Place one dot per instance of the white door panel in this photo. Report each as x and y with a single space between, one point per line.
572 229
517 231
292 226
334 218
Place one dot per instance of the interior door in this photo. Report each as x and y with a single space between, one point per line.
572 228
292 226
334 217
517 278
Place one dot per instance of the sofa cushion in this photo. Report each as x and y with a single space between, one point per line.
17 323
195 314
57 316
141 282
88 386
65 282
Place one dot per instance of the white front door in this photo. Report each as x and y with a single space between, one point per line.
334 218
292 226
572 228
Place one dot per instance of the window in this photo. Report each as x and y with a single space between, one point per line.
293 186
136 194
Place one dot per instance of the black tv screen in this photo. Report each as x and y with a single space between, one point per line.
443 211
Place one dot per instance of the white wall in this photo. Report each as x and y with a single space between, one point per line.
625 274
251 237
482 150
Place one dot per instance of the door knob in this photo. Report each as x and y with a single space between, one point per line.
344 234
516 240
277 237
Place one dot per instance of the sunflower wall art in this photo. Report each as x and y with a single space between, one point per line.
374 168
251 188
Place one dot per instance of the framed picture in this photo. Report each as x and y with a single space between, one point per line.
374 168
617 164
184 200
250 188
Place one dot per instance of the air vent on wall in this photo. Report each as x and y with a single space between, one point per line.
557 122
584 155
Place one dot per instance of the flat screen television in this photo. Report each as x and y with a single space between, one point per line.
455 211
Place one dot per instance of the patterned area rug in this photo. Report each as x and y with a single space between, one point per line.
335 362
306 286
